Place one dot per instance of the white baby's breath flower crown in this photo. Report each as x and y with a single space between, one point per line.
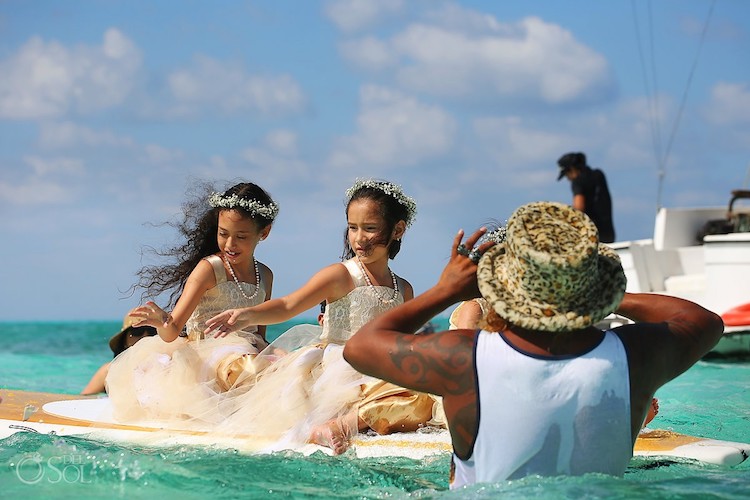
392 190
497 235
254 207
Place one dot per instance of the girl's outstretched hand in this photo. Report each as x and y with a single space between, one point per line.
151 315
227 322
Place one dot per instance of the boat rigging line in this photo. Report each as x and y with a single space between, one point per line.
652 93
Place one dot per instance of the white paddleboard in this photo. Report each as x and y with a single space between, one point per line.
91 417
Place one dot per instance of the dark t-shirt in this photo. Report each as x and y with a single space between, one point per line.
592 184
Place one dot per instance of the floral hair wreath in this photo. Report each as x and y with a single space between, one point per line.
497 235
254 207
392 190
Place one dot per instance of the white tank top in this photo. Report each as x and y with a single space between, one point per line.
548 416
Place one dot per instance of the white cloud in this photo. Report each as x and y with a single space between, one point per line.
159 155
45 185
719 28
48 166
277 159
730 104
227 86
33 192
394 130
352 15
522 150
368 53
282 141
68 134
48 79
466 55
105 151
544 62
457 18
511 142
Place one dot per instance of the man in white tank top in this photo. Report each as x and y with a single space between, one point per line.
539 390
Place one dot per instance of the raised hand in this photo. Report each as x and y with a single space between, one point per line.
151 315
228 321
460 274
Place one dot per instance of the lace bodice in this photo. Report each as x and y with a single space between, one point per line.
225 295
346 315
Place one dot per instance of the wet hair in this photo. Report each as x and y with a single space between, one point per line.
198 227
390 210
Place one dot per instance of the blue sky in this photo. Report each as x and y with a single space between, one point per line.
109 111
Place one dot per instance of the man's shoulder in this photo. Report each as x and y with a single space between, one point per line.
646 341
597 173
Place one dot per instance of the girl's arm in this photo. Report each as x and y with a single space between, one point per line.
330 284
169 326
96 384
467 315
268 280
407 290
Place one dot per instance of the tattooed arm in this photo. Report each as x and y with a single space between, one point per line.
439 363
386 347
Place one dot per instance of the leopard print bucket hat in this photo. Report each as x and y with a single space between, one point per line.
551 274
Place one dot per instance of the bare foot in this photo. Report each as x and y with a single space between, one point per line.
652 411
331 436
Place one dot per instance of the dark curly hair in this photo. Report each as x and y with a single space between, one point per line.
199 227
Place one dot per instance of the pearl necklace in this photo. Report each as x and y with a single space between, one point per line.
383 299
237 282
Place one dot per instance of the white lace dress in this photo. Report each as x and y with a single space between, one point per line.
306 381
186 379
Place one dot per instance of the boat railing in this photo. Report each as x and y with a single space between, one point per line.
740 219
679 227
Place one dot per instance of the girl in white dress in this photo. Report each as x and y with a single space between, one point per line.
182 376
311 393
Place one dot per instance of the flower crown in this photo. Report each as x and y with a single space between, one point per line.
497 235
392 190
254 207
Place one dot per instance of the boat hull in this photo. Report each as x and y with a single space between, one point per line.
712 270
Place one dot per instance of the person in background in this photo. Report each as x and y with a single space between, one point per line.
539 390
125 338
322 312
590 192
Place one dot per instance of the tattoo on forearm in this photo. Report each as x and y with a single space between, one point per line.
449 360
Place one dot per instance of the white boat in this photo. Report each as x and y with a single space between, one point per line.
699 254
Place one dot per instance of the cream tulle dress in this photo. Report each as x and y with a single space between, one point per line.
304 380
192 380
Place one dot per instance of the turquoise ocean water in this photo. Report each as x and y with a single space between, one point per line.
712 399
